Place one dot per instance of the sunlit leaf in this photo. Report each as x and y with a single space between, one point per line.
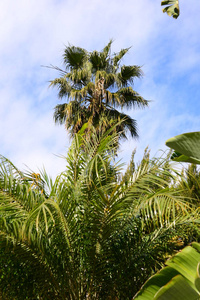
172 8
186 147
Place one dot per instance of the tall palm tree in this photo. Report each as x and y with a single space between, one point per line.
97 87
89 234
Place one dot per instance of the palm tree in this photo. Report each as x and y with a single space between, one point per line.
92 234
96 86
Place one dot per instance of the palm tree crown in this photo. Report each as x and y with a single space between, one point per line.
96 86
91 234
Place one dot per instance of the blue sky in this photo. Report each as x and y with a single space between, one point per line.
34 33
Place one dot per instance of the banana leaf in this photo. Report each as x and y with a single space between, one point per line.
186 146
178 280
172 8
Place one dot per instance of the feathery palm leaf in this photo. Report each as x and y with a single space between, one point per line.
88 234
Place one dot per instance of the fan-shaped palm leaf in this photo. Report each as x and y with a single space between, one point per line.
95 80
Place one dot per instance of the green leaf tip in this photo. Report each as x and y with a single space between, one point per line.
172 8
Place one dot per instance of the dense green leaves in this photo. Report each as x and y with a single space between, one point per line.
179 280
93 233
97 87
74 57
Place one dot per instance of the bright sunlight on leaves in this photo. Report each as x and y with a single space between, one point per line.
172 8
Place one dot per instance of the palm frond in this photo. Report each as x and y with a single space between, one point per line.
98 60
28 259
63 86
128 74
74 57
126 124
60 113
126 97
156 202
70 239
80 77
107 48
117 57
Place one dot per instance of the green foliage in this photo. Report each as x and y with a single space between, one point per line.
172 8
186 147
190 182
179 280
97 87
93 233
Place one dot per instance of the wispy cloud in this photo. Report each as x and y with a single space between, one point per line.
33 34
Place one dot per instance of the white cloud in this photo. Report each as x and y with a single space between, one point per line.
34 34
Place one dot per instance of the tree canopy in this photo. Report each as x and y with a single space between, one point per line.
97 88
91 232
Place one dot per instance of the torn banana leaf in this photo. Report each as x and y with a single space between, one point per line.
172 8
